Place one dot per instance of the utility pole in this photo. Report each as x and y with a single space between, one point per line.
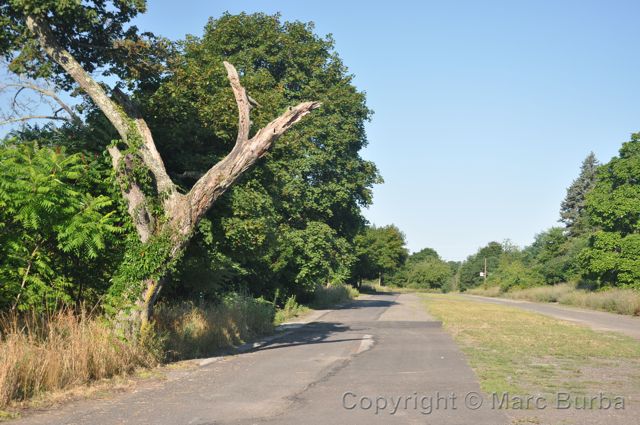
485 272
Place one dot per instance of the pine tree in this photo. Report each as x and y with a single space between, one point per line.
572 208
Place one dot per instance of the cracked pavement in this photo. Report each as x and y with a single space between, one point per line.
379 359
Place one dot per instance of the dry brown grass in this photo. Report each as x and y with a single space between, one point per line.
329 296
614 300
192 331
548 293
622 301
46 353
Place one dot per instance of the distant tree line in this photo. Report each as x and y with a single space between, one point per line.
599 244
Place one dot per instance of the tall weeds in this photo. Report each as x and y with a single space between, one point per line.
329 296
41 353
194 330
614 300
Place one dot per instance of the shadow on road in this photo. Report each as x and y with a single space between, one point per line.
326 332
360 304
312 333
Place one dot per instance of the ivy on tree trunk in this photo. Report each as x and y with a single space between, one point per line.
164 218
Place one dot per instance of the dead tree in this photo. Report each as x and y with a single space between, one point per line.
180 212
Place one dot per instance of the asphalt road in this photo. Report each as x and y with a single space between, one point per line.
381 359
598 320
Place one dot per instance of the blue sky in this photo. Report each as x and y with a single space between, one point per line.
483 110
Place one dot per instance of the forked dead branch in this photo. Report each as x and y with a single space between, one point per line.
164 211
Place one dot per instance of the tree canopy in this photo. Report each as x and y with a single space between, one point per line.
425 269
179 138
379 251
613 205
474 264
289 225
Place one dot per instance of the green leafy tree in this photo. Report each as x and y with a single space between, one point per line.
422 255
470 269
312 180
425 269
431 273
65 42
379 251
512 272
613 205
554 255
572 209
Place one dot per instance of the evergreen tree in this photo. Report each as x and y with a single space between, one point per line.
572 212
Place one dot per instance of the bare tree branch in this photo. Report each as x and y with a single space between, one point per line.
244 107
142 217
33 117
245 152
53 49
46 92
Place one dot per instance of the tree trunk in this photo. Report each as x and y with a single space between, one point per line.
181 212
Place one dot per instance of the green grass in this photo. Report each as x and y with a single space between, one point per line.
526 353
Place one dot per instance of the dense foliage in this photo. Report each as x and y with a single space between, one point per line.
572 209
97 33
379 251
426 270
290 224
286 227
613 254
58 232
474 264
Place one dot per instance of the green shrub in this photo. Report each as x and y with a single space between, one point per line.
290 310
512 273
57 236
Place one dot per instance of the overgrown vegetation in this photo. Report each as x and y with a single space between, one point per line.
72 233
42 353
426 270
59 229
328 296
288 226
190 330
56 351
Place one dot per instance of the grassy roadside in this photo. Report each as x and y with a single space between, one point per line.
621 301
526 353
46 360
